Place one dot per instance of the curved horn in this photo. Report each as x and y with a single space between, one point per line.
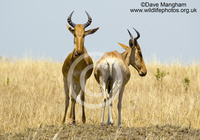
138 34
69 20
89 21
130 34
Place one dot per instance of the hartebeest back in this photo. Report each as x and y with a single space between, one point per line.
71 76
112 73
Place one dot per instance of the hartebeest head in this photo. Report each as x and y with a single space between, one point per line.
80 33
136 59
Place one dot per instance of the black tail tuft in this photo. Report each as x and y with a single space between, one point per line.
109 84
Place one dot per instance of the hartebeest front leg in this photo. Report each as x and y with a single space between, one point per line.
66 100
75 89
120 105
82 103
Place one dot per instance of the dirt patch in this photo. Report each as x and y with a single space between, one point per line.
105 132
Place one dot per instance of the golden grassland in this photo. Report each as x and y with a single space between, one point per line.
32 95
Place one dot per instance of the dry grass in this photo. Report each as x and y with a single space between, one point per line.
32 95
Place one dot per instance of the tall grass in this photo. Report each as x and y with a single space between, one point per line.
32 95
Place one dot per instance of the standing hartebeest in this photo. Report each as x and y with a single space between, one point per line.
112 73
79 60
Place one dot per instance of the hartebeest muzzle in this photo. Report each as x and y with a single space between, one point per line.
141 73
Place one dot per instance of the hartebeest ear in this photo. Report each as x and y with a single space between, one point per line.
70 29
91 31
123 46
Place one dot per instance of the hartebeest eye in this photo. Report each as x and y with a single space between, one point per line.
131 44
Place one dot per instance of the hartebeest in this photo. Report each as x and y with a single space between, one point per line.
112 73
74 64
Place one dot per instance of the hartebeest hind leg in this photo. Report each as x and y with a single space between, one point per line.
120 105
113 91
103 91
102 81
110 120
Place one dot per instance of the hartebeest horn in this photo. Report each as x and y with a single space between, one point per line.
88 22
138 34
70 21
130 34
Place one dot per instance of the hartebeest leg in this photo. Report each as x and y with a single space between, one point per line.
110 120
75 89
71 106
103 90
120 105
82 103
104 105
67 99
102 82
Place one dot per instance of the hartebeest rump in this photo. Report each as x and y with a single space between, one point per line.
72 76
112 73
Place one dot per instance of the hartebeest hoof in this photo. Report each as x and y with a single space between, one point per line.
120 126
102 124
71 121
83 120
110 123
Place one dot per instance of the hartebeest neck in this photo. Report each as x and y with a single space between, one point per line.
126 55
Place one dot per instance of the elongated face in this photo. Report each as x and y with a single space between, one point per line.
137 60
79 36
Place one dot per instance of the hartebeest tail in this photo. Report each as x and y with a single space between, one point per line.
77 61
112 73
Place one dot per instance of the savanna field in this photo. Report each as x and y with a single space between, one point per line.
164 104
